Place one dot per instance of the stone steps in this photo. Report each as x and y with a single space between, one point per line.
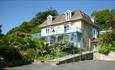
71 58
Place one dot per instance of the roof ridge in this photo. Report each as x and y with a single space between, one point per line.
78 14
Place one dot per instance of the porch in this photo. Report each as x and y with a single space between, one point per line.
75 38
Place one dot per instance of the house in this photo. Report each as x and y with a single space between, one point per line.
75 26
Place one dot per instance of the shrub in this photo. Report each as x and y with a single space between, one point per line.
105 49
107 42
80 50
68 48
10 53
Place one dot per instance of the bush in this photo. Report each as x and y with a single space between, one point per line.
68 48
105 49
80 50
10 53
107 42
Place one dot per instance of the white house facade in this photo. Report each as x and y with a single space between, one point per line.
75 26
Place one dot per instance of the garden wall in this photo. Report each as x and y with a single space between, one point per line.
72 58
109 57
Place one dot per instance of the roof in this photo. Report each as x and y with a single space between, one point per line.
76 15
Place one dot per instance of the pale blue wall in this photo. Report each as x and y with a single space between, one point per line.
75 39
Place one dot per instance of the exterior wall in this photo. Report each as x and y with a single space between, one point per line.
87 34
109 57
84 33
71 37
94 32
59 29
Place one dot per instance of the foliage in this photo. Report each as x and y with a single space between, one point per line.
32 25
103 18
46 52
80 50
9 53
113 13
107 42
68 48
54 53
113 48
105 49
61 48
63 44
19 38
18 43
107 38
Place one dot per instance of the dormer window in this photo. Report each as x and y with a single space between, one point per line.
92 19
68 14
49 19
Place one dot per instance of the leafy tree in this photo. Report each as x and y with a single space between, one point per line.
3 41
113 13
6 52
102 18
32 25
107 42
20 36
9 53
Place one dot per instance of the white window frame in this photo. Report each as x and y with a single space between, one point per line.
68 14
49 19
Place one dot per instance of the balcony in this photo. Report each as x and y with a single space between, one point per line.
36 35
62 31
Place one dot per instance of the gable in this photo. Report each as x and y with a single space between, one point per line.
60 19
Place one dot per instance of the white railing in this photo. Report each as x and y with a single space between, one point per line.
36 35
74 29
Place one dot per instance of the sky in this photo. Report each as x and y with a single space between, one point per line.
14 12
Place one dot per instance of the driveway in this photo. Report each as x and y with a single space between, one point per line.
81 65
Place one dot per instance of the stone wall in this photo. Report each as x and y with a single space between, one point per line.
87 34
72 58
109 57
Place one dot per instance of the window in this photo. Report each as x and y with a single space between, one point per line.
47 30
66 28
68 14
52 40
66 37
58 30
49 19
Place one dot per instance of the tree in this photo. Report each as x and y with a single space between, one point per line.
2 40
102 18
107 42
40 18
6 52
32 25
20 36
113 13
